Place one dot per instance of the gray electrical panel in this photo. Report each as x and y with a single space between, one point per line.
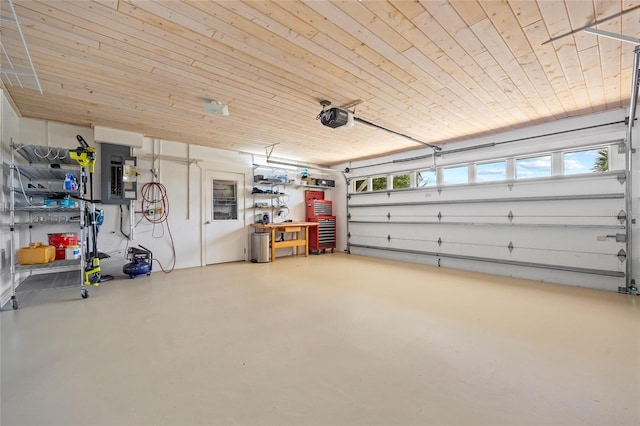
119 176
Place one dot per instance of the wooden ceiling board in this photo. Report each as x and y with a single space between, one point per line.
435 70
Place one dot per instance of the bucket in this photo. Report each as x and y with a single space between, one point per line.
72 252
61 241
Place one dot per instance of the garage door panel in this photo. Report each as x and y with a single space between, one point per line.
541 238
572 224
601 212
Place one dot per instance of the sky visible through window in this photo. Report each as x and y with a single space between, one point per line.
426 178
533 167
491 171
456 175
580 162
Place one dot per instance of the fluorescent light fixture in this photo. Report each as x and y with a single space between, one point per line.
215 107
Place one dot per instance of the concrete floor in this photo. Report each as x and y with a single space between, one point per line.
325 340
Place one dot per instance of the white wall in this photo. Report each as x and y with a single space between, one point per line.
179 167
8 131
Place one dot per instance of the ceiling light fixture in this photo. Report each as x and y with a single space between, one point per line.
215 107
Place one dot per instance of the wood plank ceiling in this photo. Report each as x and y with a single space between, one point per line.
438 71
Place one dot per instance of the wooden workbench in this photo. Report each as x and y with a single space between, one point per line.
301 229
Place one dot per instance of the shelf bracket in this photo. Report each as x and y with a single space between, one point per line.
269 150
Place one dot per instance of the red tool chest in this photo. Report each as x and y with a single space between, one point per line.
317 209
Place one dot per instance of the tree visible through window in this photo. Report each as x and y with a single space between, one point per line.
602 162
401 181
379 183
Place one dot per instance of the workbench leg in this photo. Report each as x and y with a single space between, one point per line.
306 241
273 244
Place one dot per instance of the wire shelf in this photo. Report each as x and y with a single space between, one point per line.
56 264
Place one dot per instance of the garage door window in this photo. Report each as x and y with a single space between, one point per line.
456 175
362 185
589 161
426 178
401 181
533 167
488 172
379 183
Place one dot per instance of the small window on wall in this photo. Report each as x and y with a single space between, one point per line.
362 185
379 183
489 172
225 200
589 161
401 181
533 167
426 178
456 175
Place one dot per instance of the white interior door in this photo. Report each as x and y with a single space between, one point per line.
225 233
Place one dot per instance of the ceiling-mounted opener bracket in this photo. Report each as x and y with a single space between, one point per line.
325 103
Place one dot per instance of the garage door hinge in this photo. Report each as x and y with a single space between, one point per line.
389 216
388 194
622 178
439 216
510 246
510 216
349 197
622 255
349 216
510 186
349 235
389 237
622 216
439 241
